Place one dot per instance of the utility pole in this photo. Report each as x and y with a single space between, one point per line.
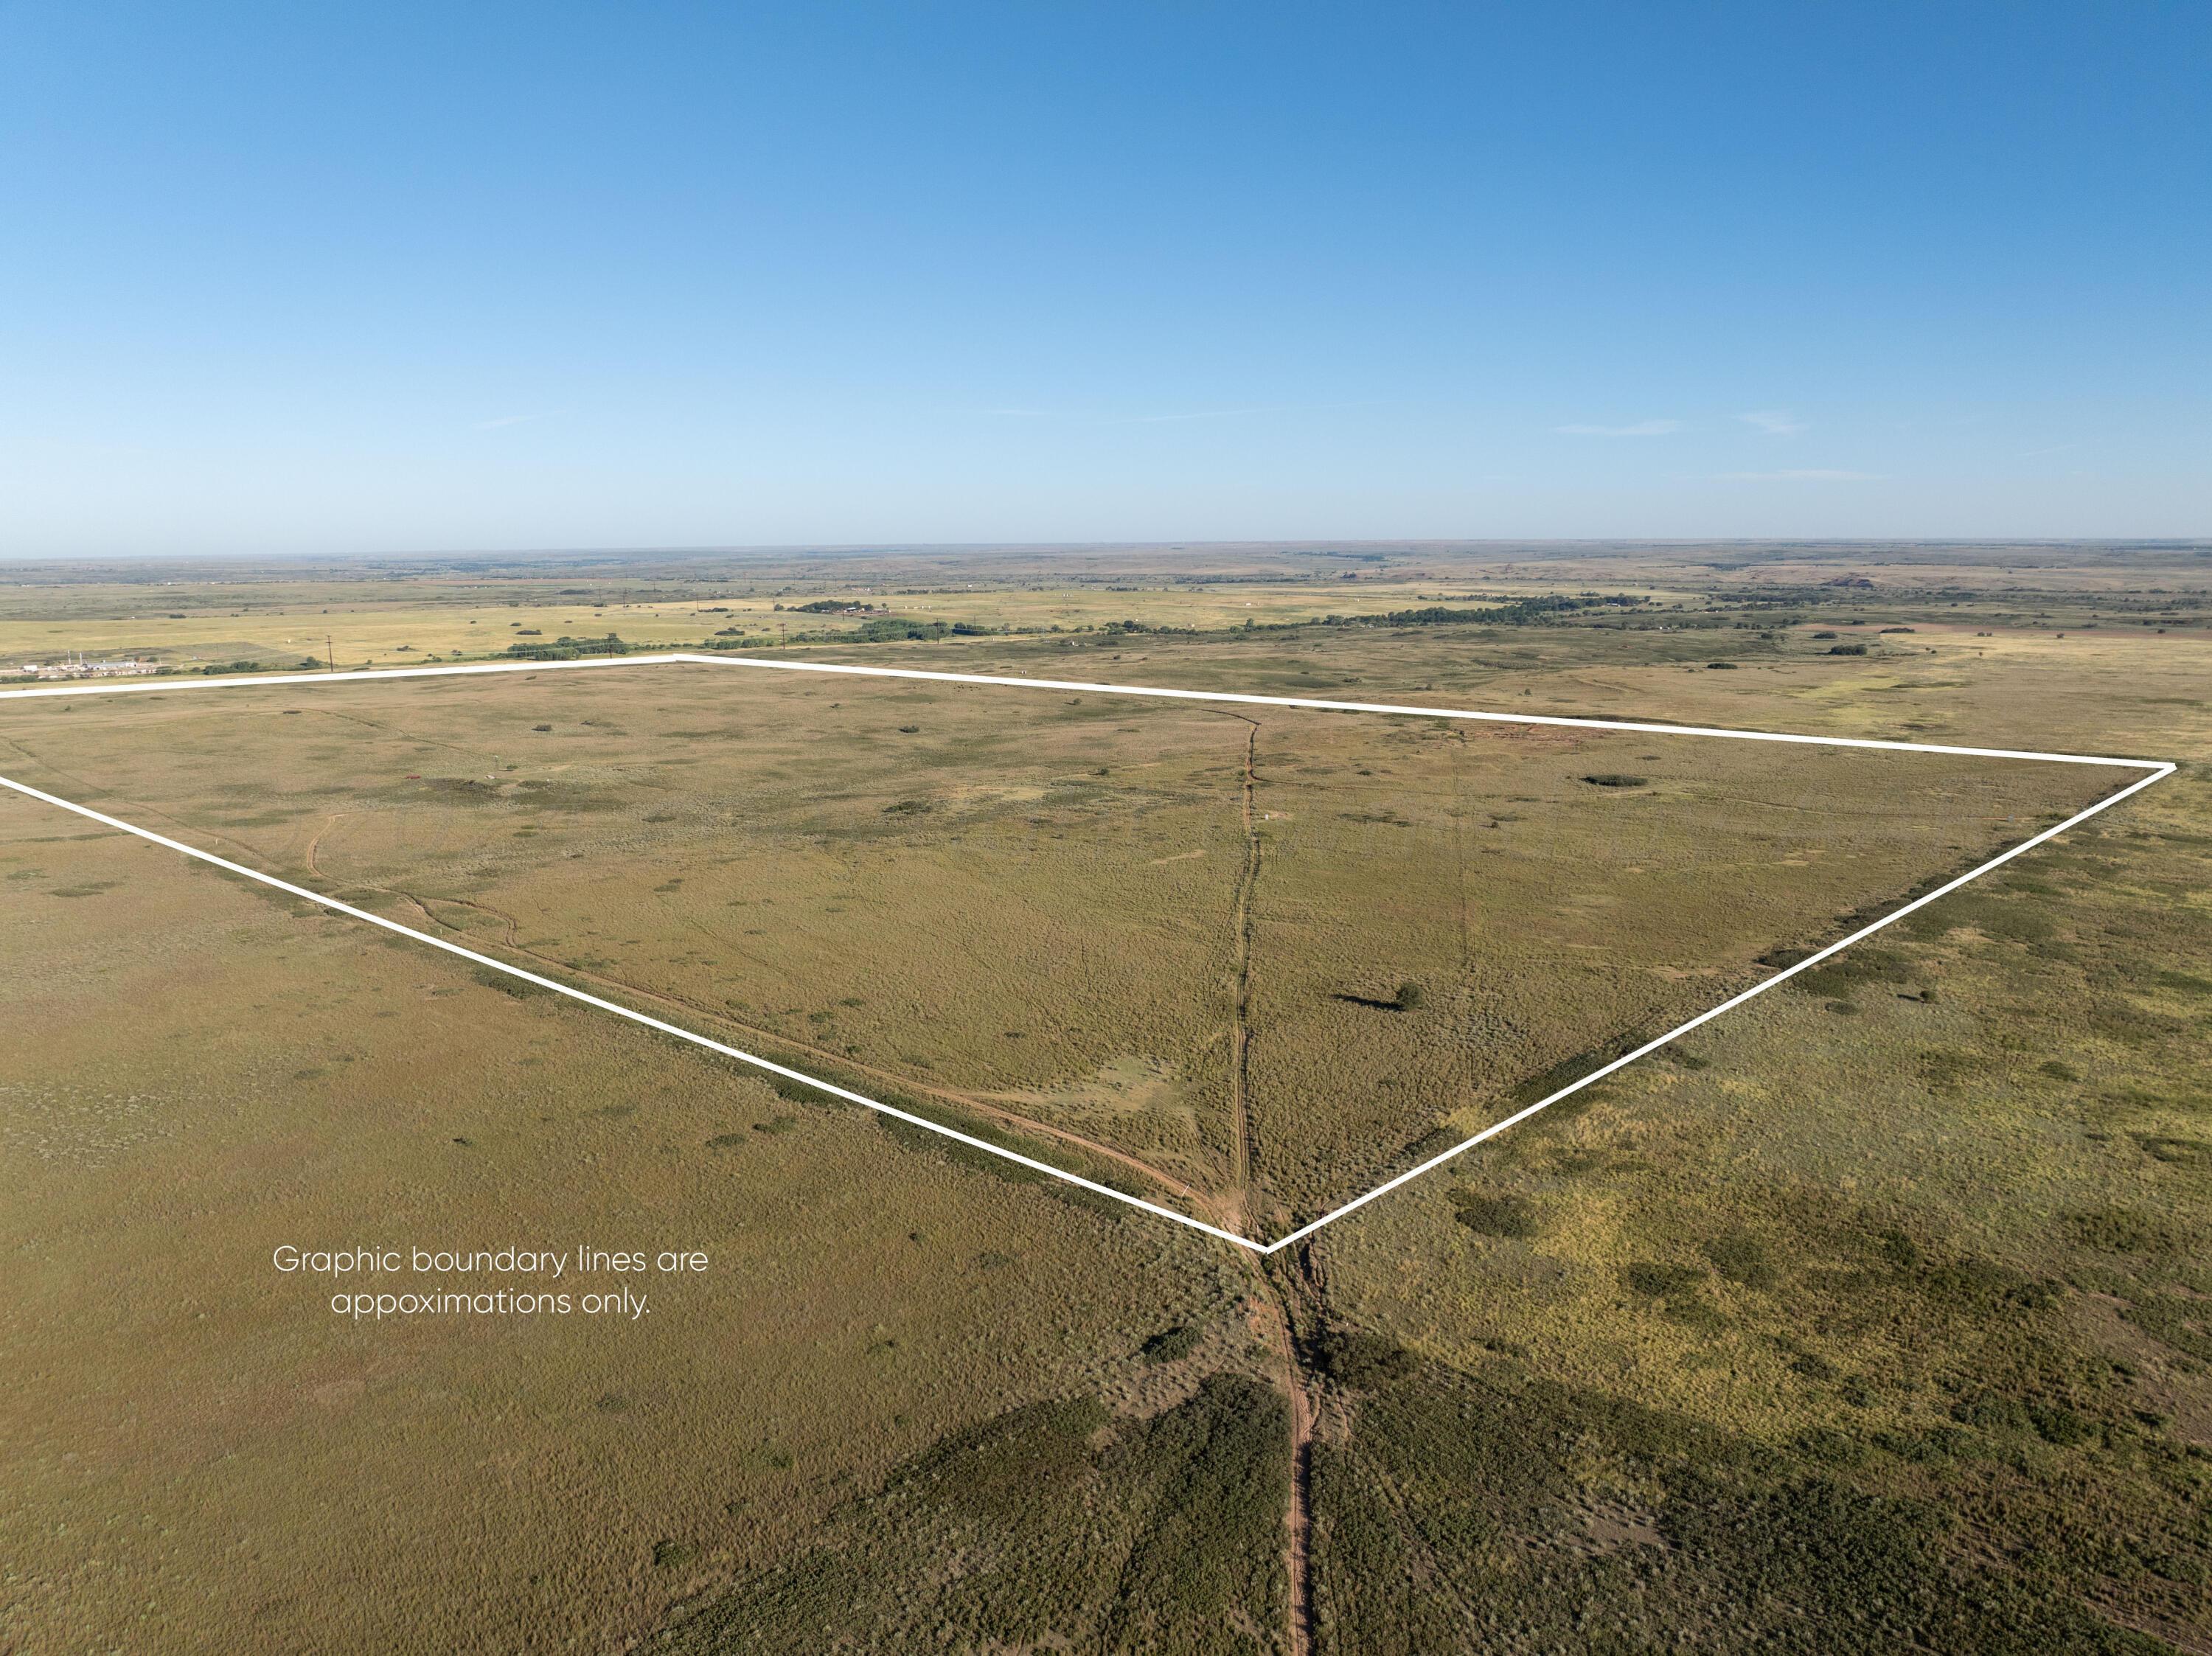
331 648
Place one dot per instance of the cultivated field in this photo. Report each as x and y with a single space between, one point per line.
395 612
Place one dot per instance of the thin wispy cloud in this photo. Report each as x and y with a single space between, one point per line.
1775 422
509 420
1088 417
1196 413
1805 475
1641 428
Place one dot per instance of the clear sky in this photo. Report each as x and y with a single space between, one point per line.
345 277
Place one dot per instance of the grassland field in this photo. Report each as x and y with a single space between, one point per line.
1179 931
1873 1315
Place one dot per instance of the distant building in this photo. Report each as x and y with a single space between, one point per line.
78 667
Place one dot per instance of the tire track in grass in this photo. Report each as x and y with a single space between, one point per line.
1270 1299
1240 1036
512 941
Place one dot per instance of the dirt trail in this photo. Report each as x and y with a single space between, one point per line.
1269 1299
1272 1305
1240 1034
1270 1302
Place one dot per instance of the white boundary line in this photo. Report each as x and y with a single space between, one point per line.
2159 770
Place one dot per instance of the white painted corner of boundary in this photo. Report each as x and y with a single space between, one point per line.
2156 770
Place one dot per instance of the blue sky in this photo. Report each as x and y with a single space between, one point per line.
349 278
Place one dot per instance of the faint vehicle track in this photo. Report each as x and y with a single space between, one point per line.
385 728
1269 1301
1297 1522
1240 1038
512 940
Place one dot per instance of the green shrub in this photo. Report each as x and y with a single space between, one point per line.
1494 1215
1362 1361
1172 1343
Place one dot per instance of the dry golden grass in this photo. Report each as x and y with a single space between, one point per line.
1005 897
1889 1252
200 1457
